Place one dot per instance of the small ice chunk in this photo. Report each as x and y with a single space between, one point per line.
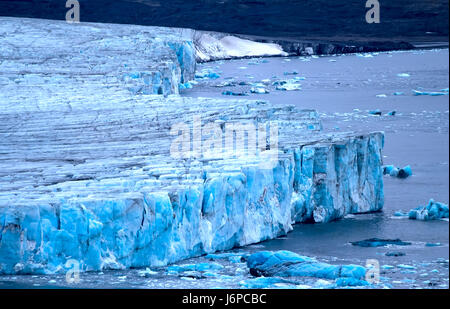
404 266
430 93
432 211
375 112
260 90
234 93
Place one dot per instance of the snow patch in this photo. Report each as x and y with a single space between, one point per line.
209 47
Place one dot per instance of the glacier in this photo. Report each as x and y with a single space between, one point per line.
86 171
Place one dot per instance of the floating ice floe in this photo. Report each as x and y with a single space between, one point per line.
260 90
187 85
430 93
243 83
231 257
378 242
395 253
375 112
381 96
393 171
290 264
400 214
398 93
147 272
287 85
258 61
232 93
432 244
403 75
229 83
206 74
432 211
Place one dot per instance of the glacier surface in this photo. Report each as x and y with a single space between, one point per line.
432 211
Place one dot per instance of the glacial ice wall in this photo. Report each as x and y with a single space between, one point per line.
144 228
87 171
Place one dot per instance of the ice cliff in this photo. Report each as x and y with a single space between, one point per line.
87 171
146 60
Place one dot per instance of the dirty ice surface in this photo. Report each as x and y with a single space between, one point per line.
344 89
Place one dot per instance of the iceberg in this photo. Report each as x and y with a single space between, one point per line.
375 112
345 282
287 85
207 74
395 253
377 242
432 211
404 172
393 171
259 90
290 264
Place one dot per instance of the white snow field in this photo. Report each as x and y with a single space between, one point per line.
87 171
